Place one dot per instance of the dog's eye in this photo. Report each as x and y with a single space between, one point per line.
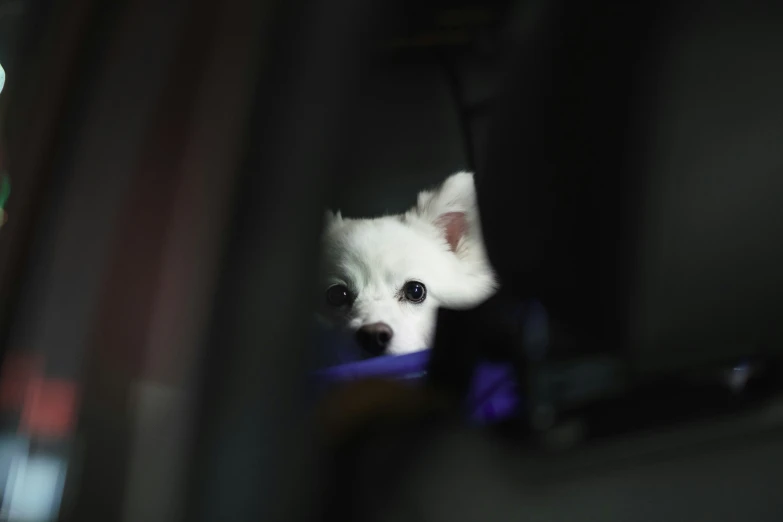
414 291
338 295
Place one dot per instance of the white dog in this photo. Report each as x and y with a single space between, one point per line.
385 278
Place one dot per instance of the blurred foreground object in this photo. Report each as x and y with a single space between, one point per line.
351 407
5 181
5 193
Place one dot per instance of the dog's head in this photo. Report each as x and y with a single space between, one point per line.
385 278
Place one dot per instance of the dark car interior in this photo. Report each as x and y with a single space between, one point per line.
171 162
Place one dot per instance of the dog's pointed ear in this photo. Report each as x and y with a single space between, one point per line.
332 218
451 207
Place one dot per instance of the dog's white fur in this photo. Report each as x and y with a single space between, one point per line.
438 243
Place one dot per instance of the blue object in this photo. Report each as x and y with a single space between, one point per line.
493 395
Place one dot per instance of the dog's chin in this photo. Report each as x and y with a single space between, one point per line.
405 350
350 346
338 344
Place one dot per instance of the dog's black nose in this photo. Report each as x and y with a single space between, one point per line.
374 338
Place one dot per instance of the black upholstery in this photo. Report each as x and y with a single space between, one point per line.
635 178
403 136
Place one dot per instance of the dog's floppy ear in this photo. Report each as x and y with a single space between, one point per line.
451 207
